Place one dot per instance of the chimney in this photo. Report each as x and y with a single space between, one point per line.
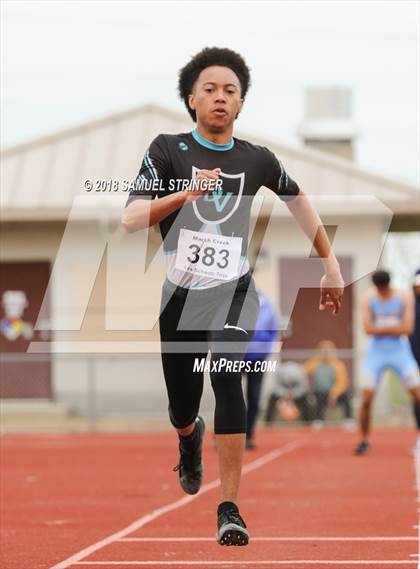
328 123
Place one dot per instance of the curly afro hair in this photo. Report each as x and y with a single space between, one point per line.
381 278
188 75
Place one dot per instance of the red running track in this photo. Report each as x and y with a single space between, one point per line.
112 502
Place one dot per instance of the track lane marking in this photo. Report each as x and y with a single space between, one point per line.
146 519
282 562
315 538
416 454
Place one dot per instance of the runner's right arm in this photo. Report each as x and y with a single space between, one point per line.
143 213
141 210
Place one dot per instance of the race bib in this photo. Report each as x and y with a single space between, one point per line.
385 320
208 254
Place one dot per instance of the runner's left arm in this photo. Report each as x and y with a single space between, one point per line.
303 211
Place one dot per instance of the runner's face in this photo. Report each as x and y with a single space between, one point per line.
216 98
383 289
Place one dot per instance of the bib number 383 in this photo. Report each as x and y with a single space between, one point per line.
209 255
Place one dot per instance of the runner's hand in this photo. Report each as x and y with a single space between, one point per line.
332 288
210 176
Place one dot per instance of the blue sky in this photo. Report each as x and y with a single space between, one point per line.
65 63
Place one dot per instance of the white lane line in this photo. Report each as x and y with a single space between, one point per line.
295 562
144 520
315 538
417 471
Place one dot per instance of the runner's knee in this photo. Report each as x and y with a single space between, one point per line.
230 410
367 402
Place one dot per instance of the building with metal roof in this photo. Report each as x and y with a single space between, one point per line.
44 199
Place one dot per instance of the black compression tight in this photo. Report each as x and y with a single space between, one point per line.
185 388
184 382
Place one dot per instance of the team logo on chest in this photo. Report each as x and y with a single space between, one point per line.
220 200
219 205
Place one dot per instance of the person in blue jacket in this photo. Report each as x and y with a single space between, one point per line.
266 331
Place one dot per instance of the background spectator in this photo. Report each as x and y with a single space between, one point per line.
329 381
291 385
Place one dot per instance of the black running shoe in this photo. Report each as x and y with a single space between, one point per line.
190 465
249 444
231 528
362 448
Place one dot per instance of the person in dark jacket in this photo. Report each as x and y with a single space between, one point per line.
292 387
261 346
415 336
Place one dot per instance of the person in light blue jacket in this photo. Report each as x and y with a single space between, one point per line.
266 331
